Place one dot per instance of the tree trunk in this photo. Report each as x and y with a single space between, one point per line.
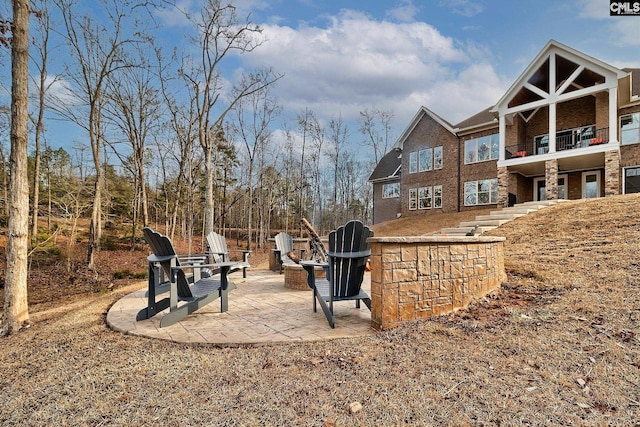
16 309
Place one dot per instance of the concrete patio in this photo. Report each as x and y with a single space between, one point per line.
261 311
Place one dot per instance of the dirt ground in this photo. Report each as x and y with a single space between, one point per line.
559 344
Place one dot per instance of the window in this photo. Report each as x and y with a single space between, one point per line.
437 158
630 128
425 160
632 180
390 191
437 196
424 198
482 192
413 162
413 199
482 149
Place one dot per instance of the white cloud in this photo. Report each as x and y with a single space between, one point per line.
60 92
621 30
176 16
356 62
404 12
466 8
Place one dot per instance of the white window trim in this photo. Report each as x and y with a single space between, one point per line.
413 154
430 190
433 196
434 157
413 193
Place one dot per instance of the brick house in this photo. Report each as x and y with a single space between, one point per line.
568 127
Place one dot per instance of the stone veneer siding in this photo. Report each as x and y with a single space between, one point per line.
551 179
420 277
612 173
503 186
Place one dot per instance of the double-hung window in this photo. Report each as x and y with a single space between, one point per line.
424 198
413 199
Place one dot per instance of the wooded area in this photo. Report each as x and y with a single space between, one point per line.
168 142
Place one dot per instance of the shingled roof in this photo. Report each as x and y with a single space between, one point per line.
388 167
481 118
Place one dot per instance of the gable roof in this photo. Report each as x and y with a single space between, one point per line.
416 119
388 167
554 46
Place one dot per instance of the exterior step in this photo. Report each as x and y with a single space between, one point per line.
499 215
485 223
514 210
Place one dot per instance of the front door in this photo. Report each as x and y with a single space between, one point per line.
562 186
539 189
590 184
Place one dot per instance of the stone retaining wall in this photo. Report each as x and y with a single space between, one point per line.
420 277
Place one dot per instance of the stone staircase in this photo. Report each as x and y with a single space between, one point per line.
496 218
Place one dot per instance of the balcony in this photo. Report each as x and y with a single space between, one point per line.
570 139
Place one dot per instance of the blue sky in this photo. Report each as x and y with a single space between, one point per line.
454 57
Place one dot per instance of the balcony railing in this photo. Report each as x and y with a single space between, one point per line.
565 140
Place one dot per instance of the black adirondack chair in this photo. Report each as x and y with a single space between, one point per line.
187 292
348 254
218 251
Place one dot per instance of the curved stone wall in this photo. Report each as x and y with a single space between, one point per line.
424 276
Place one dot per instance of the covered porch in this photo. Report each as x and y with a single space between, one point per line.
593 171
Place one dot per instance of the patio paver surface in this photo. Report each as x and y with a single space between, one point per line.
261 311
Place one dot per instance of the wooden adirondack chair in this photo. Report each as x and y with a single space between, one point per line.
284 245
187 292
348 254
218 251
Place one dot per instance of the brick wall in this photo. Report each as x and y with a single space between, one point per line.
385 209
428 133
420 277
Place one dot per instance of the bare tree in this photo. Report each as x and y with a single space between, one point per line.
97 50
338 134
375 126
220 33
5 125
134 107
40 60
253 117
16 309
318 137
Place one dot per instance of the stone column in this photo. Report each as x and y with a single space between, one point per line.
503 186
612 173
551 179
